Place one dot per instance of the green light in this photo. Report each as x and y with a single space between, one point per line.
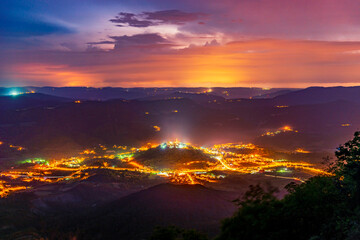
14 93
36 161
27 161
125 155
283 170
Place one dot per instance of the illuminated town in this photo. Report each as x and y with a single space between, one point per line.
222 158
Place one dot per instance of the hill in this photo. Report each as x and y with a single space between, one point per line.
174 158
196 97
107 93
134 216
52 125
316 95
111 122
33 100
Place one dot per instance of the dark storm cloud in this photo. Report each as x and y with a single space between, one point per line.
146 19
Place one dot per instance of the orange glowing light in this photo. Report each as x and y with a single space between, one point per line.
221 157
287 128
300 150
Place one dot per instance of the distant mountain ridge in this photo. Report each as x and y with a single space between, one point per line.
315 95
311 95
106 93
197 97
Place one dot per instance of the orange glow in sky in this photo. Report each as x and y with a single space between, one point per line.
270 63
229 43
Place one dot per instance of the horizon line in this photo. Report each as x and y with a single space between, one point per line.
173 87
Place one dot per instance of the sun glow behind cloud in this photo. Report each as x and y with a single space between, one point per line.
160 44
248 63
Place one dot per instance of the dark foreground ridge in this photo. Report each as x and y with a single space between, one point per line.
135 216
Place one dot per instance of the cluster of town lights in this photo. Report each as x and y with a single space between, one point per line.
221 158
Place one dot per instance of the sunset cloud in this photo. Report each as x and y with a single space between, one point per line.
138 39
180 43
267 62
131 20
173 16
146 19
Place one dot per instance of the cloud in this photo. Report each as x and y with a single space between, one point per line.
131 19
173 16
101 42
212 43
137 42
147 19
147 38
266 62
151 46
153 40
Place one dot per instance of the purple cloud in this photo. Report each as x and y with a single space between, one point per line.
146 19
146 39
101 42
131 19
173 16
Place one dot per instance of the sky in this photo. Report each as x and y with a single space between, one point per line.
180 43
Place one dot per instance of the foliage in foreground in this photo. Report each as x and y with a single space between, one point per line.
324 207
174 233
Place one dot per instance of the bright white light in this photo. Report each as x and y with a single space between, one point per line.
14 93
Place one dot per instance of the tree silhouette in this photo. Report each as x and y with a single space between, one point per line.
322 208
